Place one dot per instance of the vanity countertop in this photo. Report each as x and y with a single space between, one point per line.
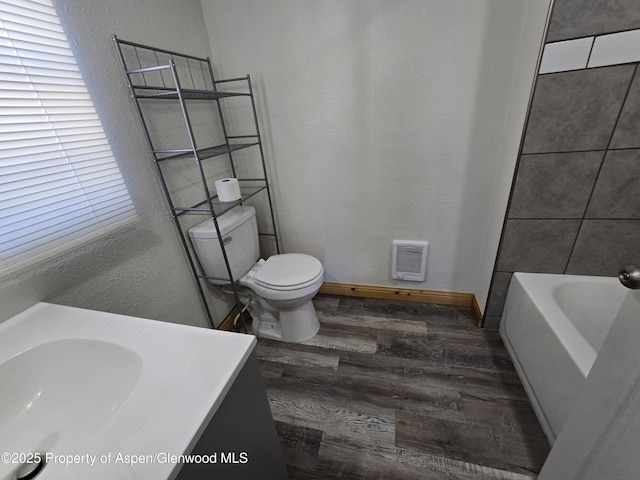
105 396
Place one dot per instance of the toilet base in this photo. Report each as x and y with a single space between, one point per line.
288 324
299 324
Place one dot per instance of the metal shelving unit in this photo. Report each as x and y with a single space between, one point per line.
177 82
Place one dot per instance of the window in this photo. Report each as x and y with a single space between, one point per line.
60 186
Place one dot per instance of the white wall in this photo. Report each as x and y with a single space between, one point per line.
140 271
382 119
387 119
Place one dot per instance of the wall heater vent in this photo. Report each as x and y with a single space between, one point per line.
409 260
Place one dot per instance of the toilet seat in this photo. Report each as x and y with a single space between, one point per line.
289 271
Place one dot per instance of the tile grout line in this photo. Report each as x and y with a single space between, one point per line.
604 156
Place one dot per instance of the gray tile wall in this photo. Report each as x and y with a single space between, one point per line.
575 203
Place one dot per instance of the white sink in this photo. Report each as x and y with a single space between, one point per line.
63 390
101 395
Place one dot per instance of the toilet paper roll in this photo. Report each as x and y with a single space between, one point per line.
228 189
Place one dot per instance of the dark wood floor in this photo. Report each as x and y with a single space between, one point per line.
400 390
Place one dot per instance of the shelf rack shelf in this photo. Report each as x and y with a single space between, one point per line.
178 81
201 153
205 207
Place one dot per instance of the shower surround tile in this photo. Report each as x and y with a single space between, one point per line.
554 185
615 48
498 294
573 19
591 52
627 134
603 246
542 246
590 113
563 56
576 111
492 322
616 191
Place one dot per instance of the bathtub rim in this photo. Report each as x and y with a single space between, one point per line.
540 288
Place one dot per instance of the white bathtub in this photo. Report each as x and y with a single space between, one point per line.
553 327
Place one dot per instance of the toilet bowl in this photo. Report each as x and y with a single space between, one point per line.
276 291
284 286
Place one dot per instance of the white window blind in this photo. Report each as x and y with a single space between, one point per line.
59 183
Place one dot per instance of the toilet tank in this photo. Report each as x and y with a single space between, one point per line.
239 232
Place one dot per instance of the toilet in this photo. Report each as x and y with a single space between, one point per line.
277 291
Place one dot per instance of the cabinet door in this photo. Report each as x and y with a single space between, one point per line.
240 441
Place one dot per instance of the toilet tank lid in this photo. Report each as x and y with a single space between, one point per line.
227 222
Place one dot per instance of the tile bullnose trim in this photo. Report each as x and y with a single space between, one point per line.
616 48
566 55
461 299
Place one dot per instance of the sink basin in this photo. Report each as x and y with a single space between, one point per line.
100 395
50 395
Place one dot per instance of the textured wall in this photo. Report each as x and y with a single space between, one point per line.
575 207
140 271
387 119
382 120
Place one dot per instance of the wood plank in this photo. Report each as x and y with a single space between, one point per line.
293 354
338 339
475 382
495 447
346 458
371 323
270 370
437 399
449 315
489 339
373 426
456 318
353 391
513 414
444 352
326 303
300 445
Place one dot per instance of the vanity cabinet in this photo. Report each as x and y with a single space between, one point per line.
240 441
199 130
126 398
